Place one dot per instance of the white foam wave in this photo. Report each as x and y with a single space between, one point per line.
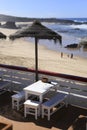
82 26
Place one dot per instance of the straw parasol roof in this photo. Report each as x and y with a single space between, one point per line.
2 36
37 31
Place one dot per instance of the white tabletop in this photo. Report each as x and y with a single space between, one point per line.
38 87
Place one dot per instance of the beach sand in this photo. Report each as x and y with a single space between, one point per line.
21 52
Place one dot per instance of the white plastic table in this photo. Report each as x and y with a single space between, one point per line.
38 88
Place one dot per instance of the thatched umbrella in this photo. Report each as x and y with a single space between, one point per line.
2 36
38 31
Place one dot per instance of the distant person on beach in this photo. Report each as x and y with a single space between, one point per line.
61 54
71 55
68 55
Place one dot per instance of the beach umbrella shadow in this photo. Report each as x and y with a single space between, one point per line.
37 31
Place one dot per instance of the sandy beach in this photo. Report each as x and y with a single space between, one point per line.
21 52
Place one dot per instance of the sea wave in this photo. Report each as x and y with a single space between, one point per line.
70 35
82 26
81 20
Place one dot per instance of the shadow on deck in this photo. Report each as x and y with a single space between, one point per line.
63 119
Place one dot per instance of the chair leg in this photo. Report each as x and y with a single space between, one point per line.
48 114
42 112
25 111
36 112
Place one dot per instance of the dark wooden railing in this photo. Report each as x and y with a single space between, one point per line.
70 77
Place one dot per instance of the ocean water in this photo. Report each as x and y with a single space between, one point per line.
78 19
71 33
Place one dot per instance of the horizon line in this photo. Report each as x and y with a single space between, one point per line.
40 17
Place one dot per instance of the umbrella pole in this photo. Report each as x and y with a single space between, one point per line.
36 58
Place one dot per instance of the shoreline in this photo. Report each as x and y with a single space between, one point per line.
22 53
66 40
